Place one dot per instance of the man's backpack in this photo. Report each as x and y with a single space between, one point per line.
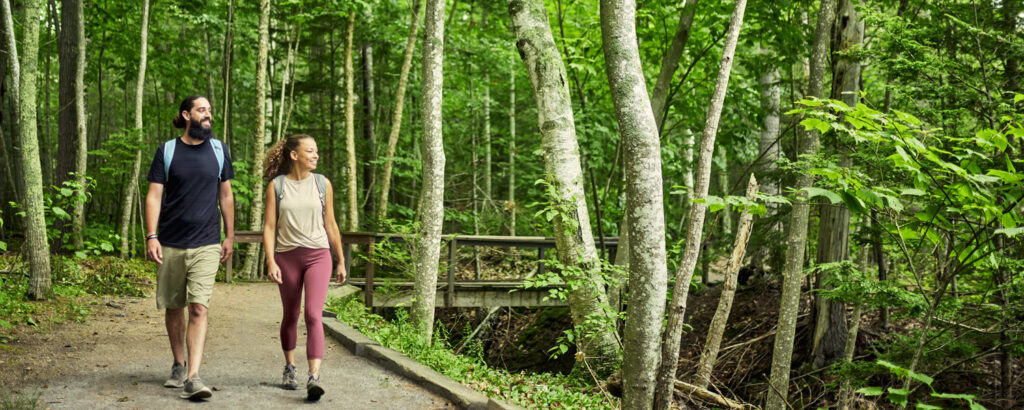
218 152
321 187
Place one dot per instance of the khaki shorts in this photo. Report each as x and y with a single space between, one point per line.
186 276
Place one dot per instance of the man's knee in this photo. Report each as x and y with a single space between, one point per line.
197 310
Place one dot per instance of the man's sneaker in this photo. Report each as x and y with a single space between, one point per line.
195 389
288 381
177 378
313 388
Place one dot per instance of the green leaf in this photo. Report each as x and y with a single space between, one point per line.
955 396
1010 232
870 391
815 192
1017 97
1008 221
820 125
60 214
853 203
911 192
923 406
923 378
976 406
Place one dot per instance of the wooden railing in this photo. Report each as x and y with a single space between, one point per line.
454 241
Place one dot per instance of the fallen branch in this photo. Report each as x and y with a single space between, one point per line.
707 396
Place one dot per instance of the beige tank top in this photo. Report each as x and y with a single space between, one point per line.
301 221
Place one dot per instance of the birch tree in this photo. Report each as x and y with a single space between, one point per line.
796 238
396 118
670 62
573 238
24 75
428 245
709 354
256 214
512 148
645 211
350 130
133 180
695 220
226 60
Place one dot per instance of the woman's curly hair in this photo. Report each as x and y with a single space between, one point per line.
279 160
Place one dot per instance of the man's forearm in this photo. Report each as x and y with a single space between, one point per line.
227 208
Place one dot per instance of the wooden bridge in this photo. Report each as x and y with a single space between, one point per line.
450 292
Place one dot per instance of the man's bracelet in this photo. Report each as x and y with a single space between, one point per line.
153 236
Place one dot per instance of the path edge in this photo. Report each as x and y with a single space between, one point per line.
390 359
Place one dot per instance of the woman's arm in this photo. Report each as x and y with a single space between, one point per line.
270 233
334 234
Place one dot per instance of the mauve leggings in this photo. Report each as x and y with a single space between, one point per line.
309 269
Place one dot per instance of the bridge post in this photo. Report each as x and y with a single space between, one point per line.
540 261
368 286
449 297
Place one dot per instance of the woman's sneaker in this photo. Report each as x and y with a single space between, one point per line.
177 378
288 381
313 388
195 389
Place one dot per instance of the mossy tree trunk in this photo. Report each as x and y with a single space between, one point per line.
133 180
645 211
428 246
695 220
573 238
259 137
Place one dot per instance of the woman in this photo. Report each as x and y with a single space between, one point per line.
299 231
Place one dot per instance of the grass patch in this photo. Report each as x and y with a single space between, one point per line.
539 390
73 281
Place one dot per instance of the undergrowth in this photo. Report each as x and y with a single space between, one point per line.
538 390
71 279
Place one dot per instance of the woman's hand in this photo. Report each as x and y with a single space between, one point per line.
274 273
341 273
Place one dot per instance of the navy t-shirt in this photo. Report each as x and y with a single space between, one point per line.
189 216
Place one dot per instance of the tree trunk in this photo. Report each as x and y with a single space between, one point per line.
796 241
709 354
512 149
834 230
133 181
723 188
428 246
687 197
396 117
487 138
35 247
227 57
259 138
648 274
350 131
289 67
670 62
573 238
369 126
695 221
71 112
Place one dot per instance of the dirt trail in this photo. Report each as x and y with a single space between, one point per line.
120 358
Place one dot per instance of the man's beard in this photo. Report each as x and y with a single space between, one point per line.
196 130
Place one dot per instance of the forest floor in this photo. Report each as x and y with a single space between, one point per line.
120 357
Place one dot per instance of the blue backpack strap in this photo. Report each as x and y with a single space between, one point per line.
321 187
168 156
218 151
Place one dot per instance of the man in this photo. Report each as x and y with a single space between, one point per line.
188 177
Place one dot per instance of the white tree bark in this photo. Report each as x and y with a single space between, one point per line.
573 237
796 238
695 221
428 246
709 354
350 130
670 62
512 149
36 248
259 139
396 118
645 210
133 180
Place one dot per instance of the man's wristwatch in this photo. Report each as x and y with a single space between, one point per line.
151 236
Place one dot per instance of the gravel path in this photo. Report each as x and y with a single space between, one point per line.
120 358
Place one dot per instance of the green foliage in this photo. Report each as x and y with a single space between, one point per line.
541 390
901 397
